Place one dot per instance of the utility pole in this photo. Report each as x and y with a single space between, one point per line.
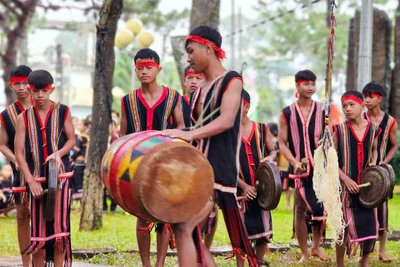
233 36
365 49
59 74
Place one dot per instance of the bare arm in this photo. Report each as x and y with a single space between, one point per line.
123 125
393 142
178 116
283 141
269 145
19 147
351 186
69 131
4 144
231 101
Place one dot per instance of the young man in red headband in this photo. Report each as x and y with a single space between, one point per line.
355 140
44 132
191 82
387 147
218 137
150 107
19 85
301 126
256 147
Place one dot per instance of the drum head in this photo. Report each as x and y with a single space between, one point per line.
176 182
378 191
51 196
392 176
269 188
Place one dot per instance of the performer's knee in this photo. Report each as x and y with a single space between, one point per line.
143 226
23 213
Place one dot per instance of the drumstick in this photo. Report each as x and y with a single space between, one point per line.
255 186
364 185
304 163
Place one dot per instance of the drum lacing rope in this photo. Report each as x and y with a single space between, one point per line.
327 136
326 171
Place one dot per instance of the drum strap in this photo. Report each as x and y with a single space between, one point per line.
170 106
133 103
375 132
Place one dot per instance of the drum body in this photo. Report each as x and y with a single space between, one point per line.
378 191
157 178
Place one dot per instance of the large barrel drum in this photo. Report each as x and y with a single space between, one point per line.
157 178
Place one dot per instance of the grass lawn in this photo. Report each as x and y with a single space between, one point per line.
119 232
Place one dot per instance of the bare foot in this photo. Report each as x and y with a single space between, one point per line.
304 258
385 258
318 253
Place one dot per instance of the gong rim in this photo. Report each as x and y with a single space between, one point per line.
392 176
269 187
374 195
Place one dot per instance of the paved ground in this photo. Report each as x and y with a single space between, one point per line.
7 261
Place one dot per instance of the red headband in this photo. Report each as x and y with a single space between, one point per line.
47 87
375 94
303 81
18 79
192 73
198 39
245 102
147 64
352 97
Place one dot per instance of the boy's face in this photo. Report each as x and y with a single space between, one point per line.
192 82
41 96
197 56
306 89
147 74
372 101
352 109
7 171
21 89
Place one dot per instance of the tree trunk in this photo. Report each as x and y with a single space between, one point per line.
204 12
179 53
395 95
381 72
14 37
92 204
